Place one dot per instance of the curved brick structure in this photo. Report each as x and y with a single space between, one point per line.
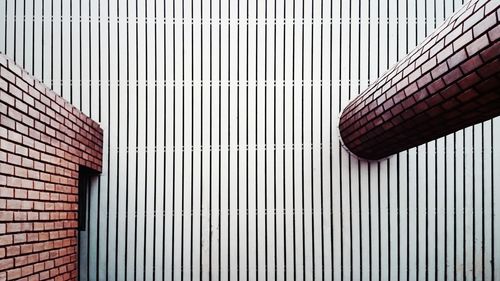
44 141
450 81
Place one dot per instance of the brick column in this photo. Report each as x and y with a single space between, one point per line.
43 143
448 82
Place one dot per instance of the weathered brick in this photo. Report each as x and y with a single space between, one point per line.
452 76
463 40
471 64
6 240
7 122
491 52
435 86
13 250
473 19
469 80
7 75
439 70
494 33
444 53
489 69
477 45
457 58
14 274
484 25
6 264
467 95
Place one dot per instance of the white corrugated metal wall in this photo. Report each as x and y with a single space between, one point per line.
221 154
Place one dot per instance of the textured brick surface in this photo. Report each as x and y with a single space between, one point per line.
448 82
43 142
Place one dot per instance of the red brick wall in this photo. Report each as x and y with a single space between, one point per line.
43 142
449 82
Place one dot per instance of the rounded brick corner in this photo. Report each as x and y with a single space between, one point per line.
449 82
346 148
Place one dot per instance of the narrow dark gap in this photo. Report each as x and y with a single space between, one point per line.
85 176
84 180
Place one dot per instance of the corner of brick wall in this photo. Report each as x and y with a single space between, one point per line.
44 141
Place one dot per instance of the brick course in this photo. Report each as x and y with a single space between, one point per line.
448 82
44 141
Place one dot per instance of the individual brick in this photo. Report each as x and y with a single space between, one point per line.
484 25
477 45
444 53
494 33
463 40
457 58
472 20
491 52
471 64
